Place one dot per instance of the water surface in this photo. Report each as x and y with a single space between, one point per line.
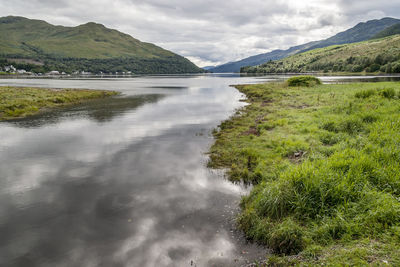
121 181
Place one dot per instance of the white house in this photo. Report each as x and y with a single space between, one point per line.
53 72
10 68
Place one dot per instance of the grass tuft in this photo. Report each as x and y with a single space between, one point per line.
307 81
365 93
388 93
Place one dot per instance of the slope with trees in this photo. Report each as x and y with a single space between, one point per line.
89 47
378 55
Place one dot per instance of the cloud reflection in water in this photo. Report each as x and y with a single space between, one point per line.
131 189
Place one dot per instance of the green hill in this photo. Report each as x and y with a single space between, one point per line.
369 56
392 30
88 47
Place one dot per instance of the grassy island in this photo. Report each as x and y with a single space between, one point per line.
325 164
17 102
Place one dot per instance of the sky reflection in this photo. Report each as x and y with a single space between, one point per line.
126 187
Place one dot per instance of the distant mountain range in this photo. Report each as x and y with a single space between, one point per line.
361 32
209 67
89 47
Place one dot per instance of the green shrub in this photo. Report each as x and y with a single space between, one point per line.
384 210
357 68
365 93
369 118
374 68
267 126
237 174
251 158
226 125
396 67
307 81
292 146
58 100
388 68
388 93
274 201
330 138
351 126
286 238
330 126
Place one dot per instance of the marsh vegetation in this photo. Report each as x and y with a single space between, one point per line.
17 102
324 162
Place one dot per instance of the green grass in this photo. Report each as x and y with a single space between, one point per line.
303 81
17 102
325 165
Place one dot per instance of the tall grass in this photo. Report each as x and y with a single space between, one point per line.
330 175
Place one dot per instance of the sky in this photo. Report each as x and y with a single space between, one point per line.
211 32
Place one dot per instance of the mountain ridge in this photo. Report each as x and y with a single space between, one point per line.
392 30
360 32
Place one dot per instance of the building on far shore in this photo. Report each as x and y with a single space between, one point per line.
10 68
53 72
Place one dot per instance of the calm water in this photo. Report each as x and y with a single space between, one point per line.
122 181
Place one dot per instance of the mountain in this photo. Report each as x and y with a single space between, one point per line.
208 67
392 30
377 55
88 47
361 32
259 59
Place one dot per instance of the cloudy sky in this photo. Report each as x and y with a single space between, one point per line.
211 32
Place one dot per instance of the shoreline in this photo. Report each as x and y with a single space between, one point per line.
20 102
289 142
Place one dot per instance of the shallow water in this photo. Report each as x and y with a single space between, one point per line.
122 181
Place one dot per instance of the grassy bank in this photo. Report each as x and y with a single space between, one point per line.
325 162
17 102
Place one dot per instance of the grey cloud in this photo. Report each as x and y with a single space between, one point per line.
326 20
